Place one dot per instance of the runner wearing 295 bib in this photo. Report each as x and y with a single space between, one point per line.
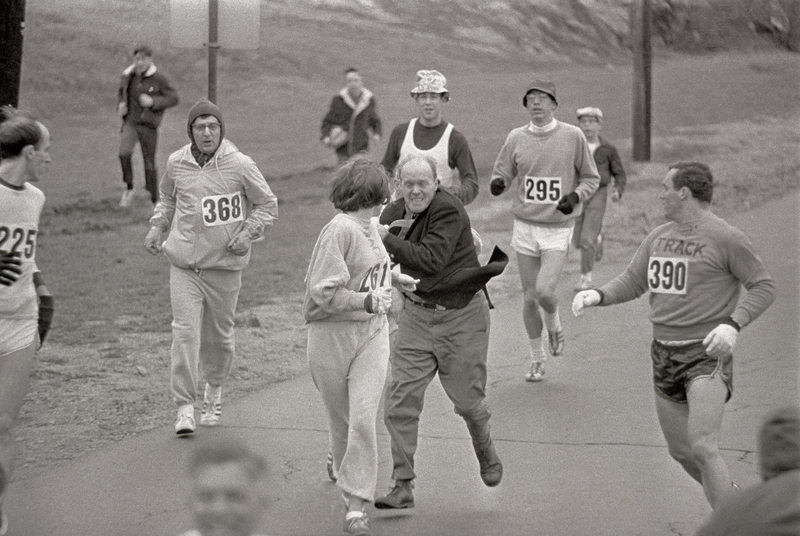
551 171
214 202
694 267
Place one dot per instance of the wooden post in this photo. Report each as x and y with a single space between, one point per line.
12 23
642 79
213 46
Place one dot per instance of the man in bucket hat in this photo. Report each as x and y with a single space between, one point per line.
552 171
429 134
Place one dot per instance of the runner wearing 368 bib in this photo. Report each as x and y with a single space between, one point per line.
214 202
694 267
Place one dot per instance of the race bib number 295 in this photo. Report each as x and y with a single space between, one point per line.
542 189
222 209
668 275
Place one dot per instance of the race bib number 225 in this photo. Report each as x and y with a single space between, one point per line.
222 209
668 275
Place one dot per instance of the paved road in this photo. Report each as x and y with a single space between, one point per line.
582 451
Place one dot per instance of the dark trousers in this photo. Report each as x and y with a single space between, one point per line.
147 137
451 344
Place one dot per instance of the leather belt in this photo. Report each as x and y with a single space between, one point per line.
426 305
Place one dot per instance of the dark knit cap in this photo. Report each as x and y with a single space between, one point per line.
779 442
545 86
201 108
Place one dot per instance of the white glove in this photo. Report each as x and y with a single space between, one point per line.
720 342
584 298
145 100
152 242
122 109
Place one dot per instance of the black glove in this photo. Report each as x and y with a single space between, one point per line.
497 186
10 268
567 203
46 311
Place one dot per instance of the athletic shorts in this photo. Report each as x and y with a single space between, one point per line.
531 239
675 367
16 334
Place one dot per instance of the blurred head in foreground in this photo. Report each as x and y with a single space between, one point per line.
227 495
779 442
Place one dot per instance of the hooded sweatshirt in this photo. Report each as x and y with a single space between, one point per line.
203 206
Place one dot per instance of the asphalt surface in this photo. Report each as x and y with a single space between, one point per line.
582 451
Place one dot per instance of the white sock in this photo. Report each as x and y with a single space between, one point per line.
537 350
552 320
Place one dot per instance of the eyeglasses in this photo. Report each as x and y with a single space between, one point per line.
201 127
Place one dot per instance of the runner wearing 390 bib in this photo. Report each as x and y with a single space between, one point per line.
694 267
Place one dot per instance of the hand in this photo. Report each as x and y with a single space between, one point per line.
720 342
567 203
583 299
404 282
616 196
145 100
152 242
383 230
497 186
46 311
240 244
10 268
122 109
378 301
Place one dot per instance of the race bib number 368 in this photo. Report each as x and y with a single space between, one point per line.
222 209
542 189
668 275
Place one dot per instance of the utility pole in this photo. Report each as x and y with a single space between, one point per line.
213 47
641 45
12 22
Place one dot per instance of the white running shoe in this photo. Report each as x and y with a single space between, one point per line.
127 198
212 406
536 373
185 423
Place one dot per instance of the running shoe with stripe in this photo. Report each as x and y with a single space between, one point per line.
536 374
556 340
212 406
357 523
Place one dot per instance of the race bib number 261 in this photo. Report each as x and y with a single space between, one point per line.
668 275
542 189
222 209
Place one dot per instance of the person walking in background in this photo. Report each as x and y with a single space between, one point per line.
352 119
444 324
228 495
554 173
429 134
586 236
694 266
772 507
348 293
142 97
214 203
26 305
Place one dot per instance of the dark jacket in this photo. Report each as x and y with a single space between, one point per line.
609 165
154 84
358 119
439 250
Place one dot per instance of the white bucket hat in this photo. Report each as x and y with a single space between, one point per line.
431 82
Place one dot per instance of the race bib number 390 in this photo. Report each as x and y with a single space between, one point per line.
668 275
542 189
222 209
